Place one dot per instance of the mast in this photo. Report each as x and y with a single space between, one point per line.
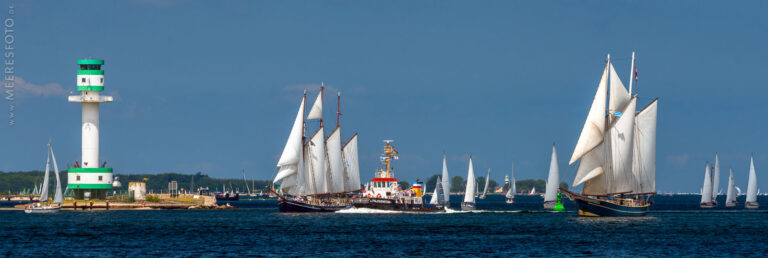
338 109
632 73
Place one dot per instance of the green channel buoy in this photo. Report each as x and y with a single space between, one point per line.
559 206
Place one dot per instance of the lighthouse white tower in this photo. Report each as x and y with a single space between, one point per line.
90 179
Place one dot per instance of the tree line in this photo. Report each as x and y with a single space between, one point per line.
459 184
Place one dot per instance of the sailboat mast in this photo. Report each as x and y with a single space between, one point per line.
322 89
338 109
632 73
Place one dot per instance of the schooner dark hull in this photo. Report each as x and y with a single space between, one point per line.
286 205
594 207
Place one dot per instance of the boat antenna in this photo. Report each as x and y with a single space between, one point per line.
632 73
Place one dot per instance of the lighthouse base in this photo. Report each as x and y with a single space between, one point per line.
88 194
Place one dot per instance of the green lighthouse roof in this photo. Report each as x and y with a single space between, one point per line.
90 62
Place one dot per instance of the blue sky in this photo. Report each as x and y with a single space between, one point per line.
214 87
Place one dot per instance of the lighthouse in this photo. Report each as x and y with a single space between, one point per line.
90 179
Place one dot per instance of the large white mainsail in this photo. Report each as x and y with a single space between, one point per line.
335 166
730 196
553 180
644 153
469 192
292 159
446 182
351 165
318 166
716 179
752 184
706 190
594 128
59 196
621 179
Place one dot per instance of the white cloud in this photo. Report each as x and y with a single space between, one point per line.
678 160
28 89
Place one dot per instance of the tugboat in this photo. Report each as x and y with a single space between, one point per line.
384 193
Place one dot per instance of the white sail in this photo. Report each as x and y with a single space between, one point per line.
351 165
58 196
512 181
594 128
620 177
644 153
487 180
335 165
716 179
591 166
317 109
318 168
553 180
706 190
469 192
730 196
446 182
619 95
292 153
44 189
437 195
533 191
752 184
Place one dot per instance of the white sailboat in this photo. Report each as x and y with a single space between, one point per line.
446 184
315 174
533 191
716 180
553 181
730 198
485 188
706 190
751 202
437 195
469 192
510 196
58 198
617 152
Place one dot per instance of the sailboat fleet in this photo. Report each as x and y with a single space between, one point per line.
710 190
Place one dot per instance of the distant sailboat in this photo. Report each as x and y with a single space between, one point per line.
485 188
533 191
553 180
446 184
58 198
469 192
617 152
730 198
437 196
706 190
751 202
512 188
716 180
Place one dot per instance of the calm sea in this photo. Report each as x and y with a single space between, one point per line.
677 227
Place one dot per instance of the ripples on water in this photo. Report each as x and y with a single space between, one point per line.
677 227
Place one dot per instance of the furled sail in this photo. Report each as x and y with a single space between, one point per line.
292 153
621 133
437 196
318 168
446 182
59 196
469 192
553 180
317 109
644 153
351 165
716 179
335 166
594 128
619 95
730 196
706 190
752 184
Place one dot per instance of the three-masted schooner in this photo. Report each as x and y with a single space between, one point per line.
316 174
617 150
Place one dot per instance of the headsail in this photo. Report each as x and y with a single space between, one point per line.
44 189
469 192
553 180
706 190
594 128
752 184
292 156
59 196
644 153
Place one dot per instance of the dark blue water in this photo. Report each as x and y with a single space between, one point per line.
676 228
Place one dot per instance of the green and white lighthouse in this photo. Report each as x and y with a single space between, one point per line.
90 179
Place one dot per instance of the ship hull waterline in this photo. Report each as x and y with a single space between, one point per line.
286 205
391 205
593 207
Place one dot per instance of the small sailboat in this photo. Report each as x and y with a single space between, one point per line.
706 190
715 180
485 188
446 184
533 191
58 198
751 202
469 192
553 180
730 198
512 188
437 195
